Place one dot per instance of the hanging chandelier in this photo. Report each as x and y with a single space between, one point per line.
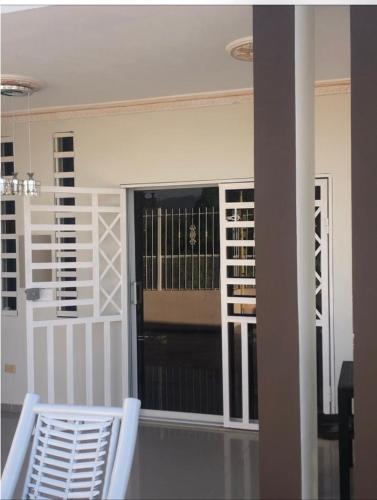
12 185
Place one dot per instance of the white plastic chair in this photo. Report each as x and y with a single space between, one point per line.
77 451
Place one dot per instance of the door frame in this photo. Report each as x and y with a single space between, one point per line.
156 415
330 392
130 313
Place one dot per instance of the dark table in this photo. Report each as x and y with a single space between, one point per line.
345 396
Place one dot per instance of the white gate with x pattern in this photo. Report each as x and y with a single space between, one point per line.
75 310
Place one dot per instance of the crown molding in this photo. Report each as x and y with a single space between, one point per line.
168 103
330 87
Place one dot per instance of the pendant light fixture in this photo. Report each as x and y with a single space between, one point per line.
9 186
30 186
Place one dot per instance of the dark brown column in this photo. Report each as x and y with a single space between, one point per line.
285 471
364 243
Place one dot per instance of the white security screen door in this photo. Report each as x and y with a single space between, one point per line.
74 270
325 348
238 305
238 302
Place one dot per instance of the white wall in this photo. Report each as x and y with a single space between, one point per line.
183 145
333 156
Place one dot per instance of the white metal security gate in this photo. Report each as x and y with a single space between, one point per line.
75 265
322 286
238 301
237 268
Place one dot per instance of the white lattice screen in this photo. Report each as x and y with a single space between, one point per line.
76 359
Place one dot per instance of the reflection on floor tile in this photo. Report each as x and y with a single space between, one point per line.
328 469
194 463
8 426
177 462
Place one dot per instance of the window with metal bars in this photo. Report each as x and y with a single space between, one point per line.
8 234
64 174
181 249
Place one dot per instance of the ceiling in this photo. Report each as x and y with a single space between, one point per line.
5 9
98 53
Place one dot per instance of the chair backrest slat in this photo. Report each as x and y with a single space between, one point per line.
75 452
67 451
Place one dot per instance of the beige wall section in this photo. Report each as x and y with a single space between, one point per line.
184 145
333 157
163 146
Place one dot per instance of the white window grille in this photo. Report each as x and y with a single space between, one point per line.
64 174
8 234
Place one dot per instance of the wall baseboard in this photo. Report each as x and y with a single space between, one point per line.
11 408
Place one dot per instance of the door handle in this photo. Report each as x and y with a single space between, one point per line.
136 293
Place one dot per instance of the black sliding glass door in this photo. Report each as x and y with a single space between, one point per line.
178 311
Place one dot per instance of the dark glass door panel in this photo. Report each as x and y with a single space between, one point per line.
179 311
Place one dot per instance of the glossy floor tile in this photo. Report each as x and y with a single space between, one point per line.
177 462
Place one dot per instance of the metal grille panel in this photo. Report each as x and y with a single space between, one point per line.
181 249
238 296
94 274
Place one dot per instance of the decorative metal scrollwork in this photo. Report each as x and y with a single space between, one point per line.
192 229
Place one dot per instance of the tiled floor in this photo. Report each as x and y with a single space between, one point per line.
176 462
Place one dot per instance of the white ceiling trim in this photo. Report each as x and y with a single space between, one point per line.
168 103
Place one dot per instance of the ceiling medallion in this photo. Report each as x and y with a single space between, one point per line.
241 49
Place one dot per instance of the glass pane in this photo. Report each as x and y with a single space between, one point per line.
7 149
179 313
67 182
66 201
65 165
242 309
240 253
235 370
240 233
8 207
253 378
8 246
241 271
8 265
9 303
240 214
64 144
239 195
7 168
9 284
8 226
319 370
241 291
